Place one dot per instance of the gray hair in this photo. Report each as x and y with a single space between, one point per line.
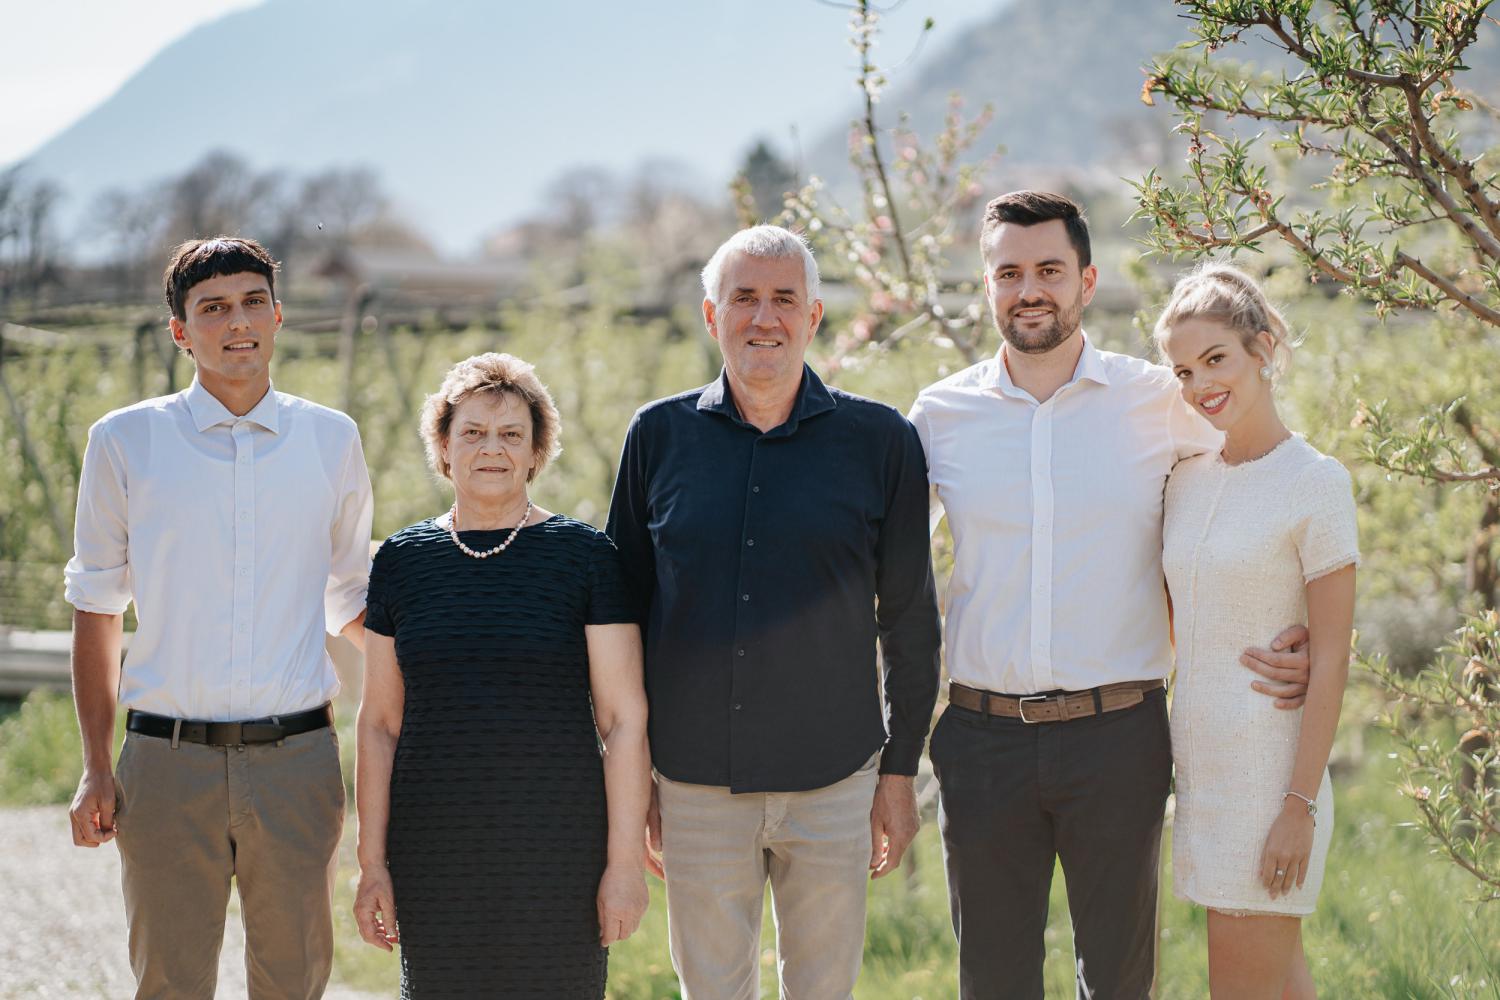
497 374
771 242
1223 293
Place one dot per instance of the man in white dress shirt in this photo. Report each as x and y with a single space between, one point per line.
237 519
1050 460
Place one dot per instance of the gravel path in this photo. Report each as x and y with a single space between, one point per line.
62 919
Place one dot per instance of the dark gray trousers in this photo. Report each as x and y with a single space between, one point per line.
1014 797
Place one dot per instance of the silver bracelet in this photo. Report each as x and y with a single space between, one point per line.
1312 807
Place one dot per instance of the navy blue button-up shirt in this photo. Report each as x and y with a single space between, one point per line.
766 565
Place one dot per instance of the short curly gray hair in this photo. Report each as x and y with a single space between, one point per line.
497 374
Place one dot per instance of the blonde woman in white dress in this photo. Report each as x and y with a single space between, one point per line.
1256 535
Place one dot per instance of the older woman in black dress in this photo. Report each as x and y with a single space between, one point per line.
501 655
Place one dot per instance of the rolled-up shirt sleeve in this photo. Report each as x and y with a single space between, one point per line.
349 543
97 578
906 609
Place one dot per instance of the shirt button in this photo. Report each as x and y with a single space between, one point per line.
740 652
738 706
244 515
755 489
242 627
750 542
242 684
744 597
244 571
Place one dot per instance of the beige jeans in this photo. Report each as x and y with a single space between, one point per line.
192 818
719 849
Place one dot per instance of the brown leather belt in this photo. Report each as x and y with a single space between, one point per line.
1064 706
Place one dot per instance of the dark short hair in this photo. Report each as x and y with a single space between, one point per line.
199 260
1029 208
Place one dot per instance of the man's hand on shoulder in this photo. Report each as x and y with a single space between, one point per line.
1284 667
893 822
92 814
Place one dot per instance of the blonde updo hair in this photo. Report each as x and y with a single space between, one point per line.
1225 294
496 374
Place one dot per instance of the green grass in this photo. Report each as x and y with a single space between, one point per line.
1393 921
41 753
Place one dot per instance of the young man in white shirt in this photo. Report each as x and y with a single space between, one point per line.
238 520
1049 461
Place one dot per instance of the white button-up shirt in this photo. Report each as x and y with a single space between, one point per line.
240 539
1056 514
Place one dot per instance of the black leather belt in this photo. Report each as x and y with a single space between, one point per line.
229 734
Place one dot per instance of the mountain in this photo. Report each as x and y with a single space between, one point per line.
1064 79
469 108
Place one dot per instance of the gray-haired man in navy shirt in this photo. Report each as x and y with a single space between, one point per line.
775 528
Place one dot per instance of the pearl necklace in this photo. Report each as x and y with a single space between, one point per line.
453 534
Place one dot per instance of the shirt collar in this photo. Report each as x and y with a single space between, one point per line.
1090 366
208 412
813 398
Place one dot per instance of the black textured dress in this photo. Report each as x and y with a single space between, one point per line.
497 832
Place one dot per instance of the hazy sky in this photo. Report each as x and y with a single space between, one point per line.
63 58
790 61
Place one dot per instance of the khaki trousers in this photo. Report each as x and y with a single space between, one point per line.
192 818
719 849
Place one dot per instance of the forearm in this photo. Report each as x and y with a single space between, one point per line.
911 695
96 683
627 789
909 650
1330 625
906 611
1320 720
910 639
375 755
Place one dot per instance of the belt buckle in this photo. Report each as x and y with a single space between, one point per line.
224 734
1021 707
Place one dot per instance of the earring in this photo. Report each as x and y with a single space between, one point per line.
1265 373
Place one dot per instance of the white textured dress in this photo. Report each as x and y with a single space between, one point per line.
1239 544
